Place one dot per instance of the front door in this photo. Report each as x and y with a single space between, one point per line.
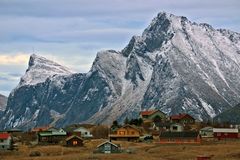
107 148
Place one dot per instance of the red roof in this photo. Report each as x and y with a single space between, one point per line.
180 116
4 135
147 113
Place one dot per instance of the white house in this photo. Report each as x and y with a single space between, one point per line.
85 133
5 141
175 127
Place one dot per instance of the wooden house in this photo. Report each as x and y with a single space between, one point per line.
206 132
226 133
108 147
5 141
182 118
126 133
179 137
74 141
51 136
152 115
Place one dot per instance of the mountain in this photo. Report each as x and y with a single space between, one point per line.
231 115
3 104
175 65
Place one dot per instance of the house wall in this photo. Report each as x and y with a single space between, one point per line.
221 136
128 131
180 140
70 142
51 139
176 128
114 149
5 143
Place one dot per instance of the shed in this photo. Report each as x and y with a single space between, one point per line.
108 147
225 133
74 141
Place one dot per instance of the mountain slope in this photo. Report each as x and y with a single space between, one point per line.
176 65
3 102
231 115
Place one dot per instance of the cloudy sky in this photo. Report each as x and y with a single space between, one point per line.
71 32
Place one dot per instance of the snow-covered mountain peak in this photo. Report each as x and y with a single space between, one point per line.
40 68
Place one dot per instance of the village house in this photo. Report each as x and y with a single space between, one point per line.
51 136
5 141
40 129
206 132
176 127
152 115
108 147
179 137
168 126
126 133
182 118
83 132
226 133
74 141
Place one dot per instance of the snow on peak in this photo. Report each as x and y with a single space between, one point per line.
40 68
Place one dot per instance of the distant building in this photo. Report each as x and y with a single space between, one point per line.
182 118
108 147
40 129
126 133
83 132
179 137
74 141
206 132
226 133
152 114
5 141
51 136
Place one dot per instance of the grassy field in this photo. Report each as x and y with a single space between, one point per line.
139 151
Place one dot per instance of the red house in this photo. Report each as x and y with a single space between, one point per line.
225 133
182 118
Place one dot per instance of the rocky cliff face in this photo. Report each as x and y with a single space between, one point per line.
3 104
176 65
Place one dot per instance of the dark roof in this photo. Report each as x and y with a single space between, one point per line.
178 134
180 116
73 136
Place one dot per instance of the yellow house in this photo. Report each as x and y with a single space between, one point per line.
126 133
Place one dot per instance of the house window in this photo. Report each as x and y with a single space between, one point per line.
75 143
121 132
133 132
174 127
2 146
85 133
1 140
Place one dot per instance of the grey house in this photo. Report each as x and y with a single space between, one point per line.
108 147
5 141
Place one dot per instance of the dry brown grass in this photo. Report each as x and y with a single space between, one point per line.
141 151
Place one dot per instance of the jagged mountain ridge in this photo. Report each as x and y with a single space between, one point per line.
176 65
